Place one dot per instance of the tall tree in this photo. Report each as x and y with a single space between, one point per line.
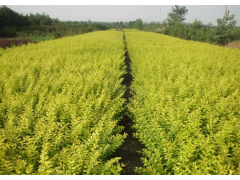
138 24
175 18
224 28
177 14
9 17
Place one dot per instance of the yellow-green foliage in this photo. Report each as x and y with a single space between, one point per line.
186 105
60 102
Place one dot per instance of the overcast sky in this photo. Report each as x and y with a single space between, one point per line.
111 13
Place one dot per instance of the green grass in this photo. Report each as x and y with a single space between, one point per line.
41 38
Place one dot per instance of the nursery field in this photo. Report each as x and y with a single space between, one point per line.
186 105
62 103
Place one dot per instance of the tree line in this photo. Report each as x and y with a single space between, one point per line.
13 24
224 32
174 25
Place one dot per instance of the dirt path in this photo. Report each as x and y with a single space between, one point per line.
128 150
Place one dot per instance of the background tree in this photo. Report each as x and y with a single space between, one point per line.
177 14
10 21
138 24
224 28
9 17
197 30
175 19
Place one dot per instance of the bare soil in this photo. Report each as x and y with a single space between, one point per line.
129 150
233 44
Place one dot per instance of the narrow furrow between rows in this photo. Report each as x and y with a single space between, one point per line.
128 151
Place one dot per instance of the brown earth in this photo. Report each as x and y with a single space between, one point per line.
129 150
234 44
